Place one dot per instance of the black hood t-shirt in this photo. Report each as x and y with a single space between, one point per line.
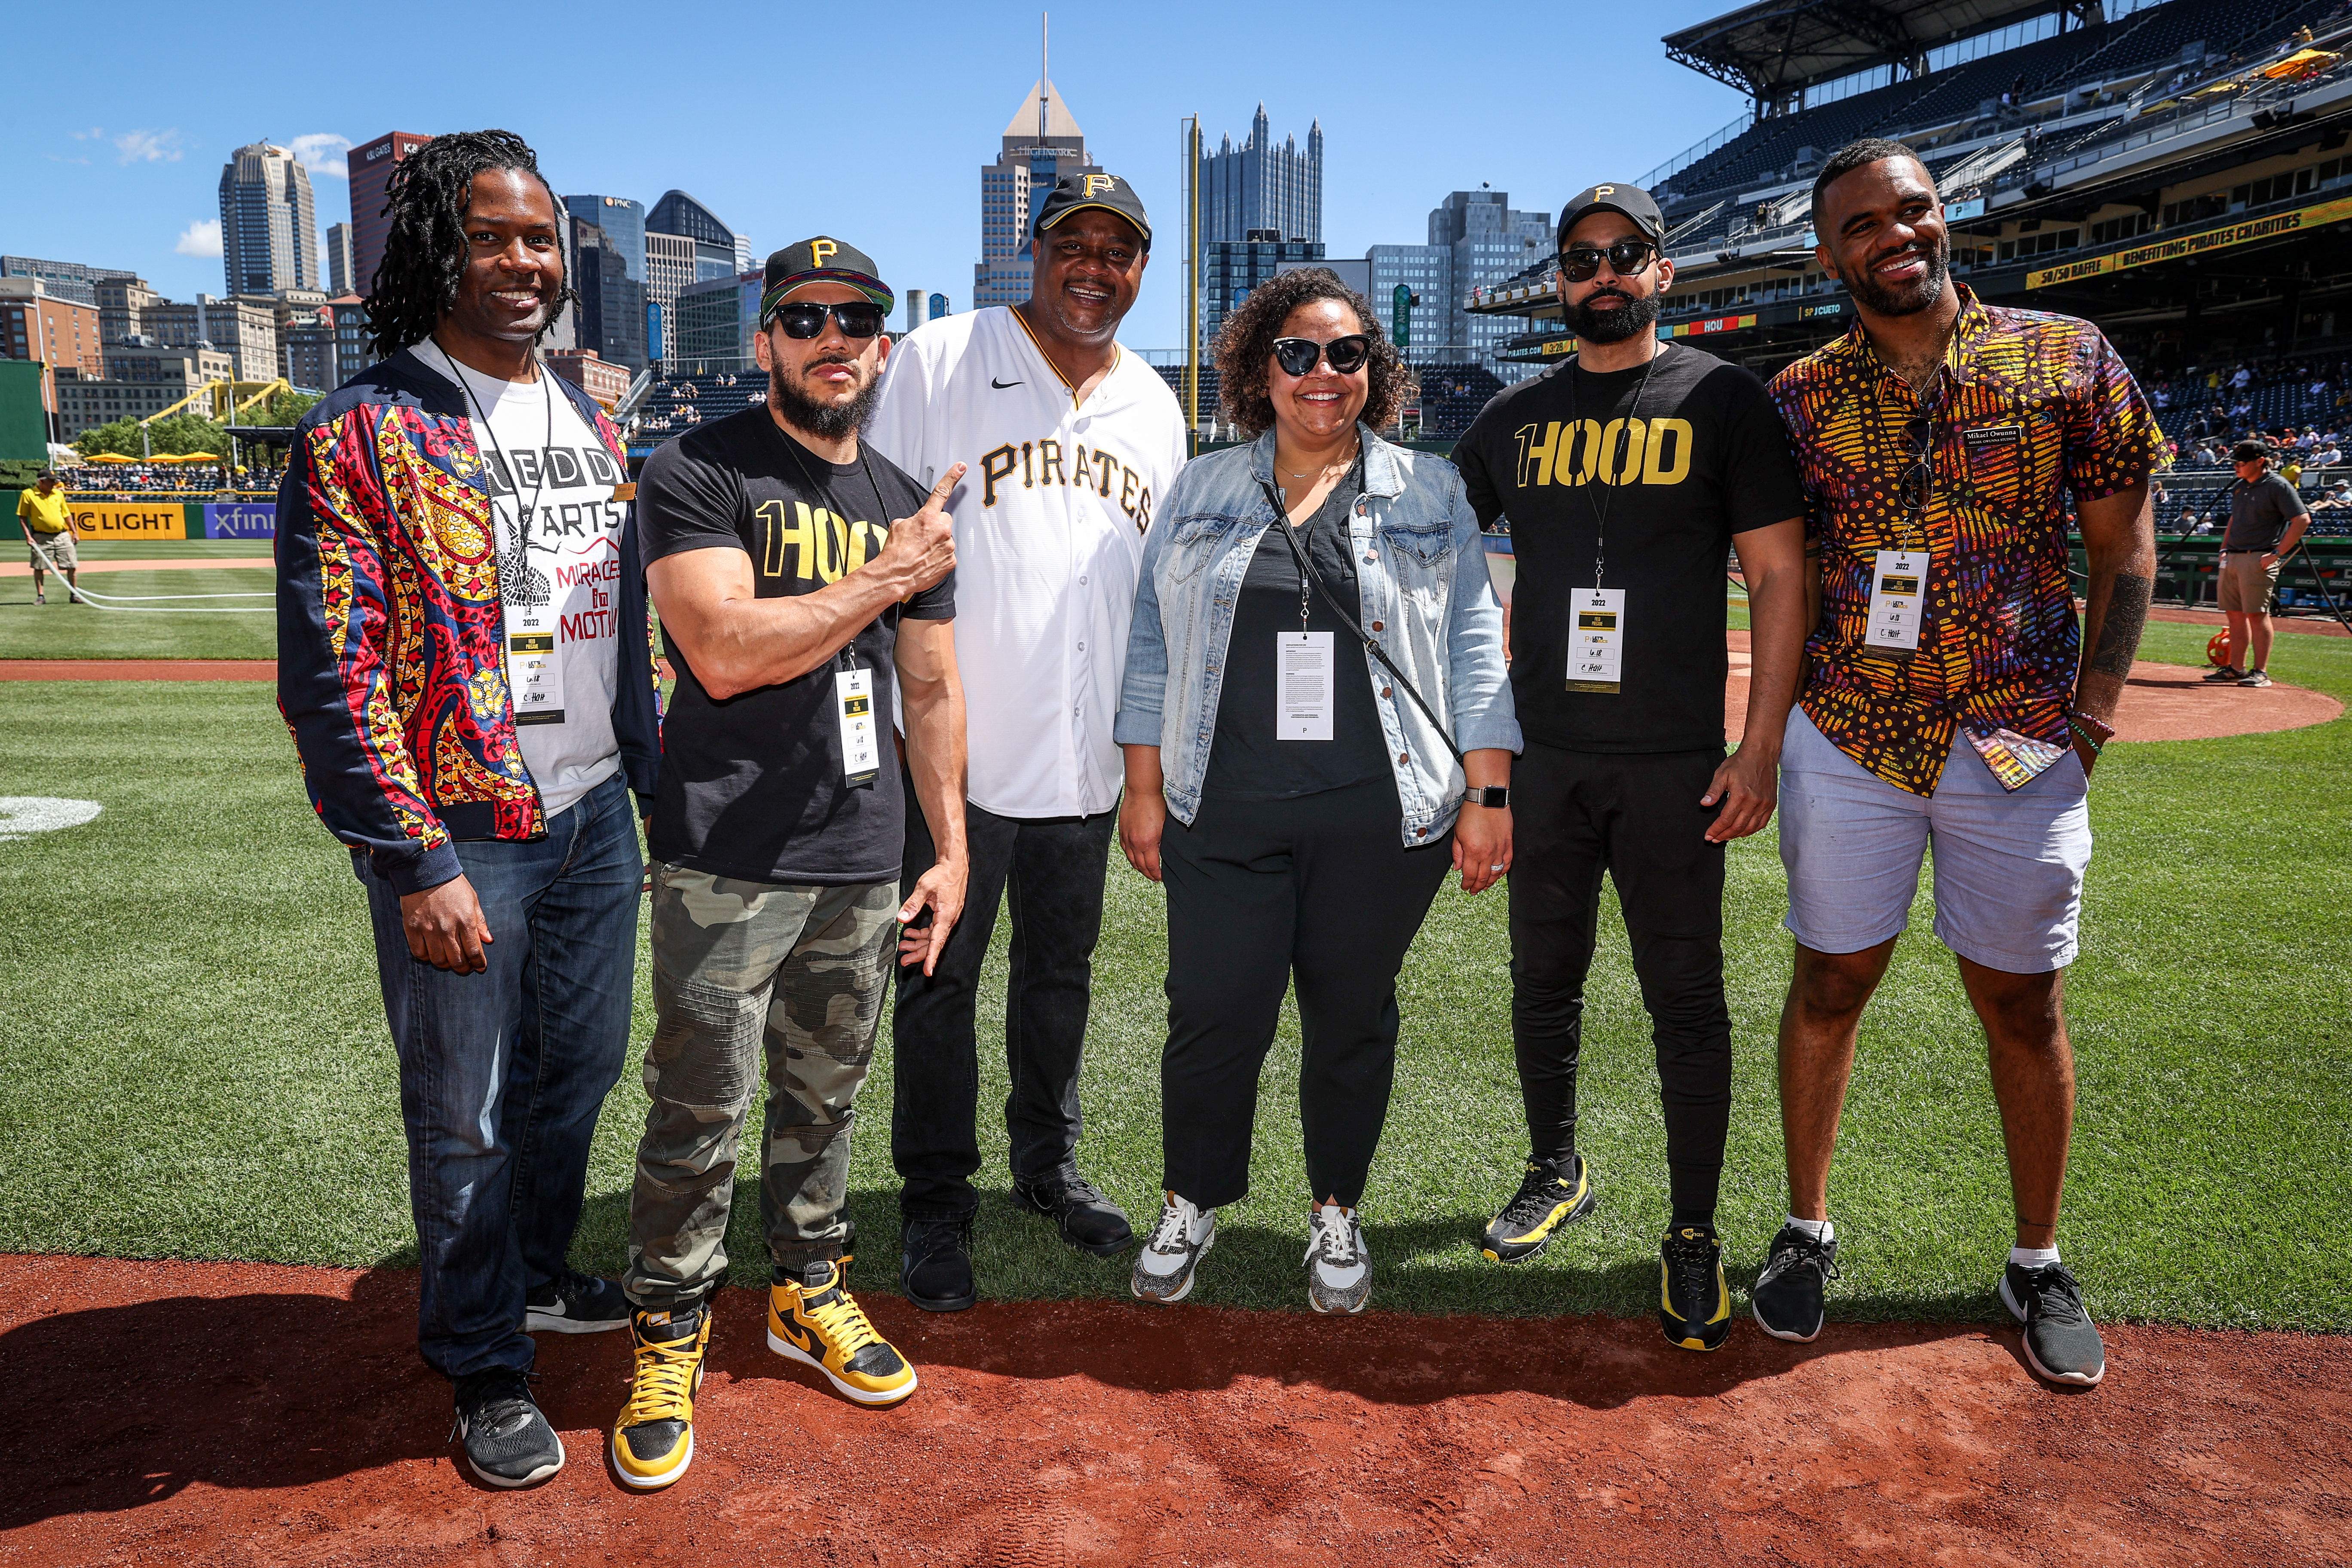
752 787
1703 457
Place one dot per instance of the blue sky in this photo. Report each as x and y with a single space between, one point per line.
772 118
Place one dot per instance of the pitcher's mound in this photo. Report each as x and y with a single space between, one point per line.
2161 702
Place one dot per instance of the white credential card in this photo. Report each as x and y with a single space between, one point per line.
1898 599
535 675
1596 643
1303 671
861 756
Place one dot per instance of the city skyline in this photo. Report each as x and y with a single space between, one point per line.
139 199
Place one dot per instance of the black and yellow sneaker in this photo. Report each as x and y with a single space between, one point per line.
1693 1305
1546 1201
653 1437
815 1320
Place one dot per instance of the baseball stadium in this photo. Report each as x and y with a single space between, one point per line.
206 1233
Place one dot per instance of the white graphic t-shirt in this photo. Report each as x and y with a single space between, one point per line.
552 484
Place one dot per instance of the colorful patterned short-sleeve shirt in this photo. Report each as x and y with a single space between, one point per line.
2031 407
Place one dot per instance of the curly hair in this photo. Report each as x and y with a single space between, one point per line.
425 250
1246 346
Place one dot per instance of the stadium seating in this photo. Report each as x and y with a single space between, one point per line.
678 403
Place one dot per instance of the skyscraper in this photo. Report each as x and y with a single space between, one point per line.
338 258
1257 186
718 251
1487 242
669 271
269 231
608 245
1041 144
371 164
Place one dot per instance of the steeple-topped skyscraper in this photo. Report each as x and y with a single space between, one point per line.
1042 142
1259 191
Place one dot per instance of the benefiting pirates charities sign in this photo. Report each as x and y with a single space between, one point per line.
2221 238
129 520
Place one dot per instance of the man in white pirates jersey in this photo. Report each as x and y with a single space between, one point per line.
1070 441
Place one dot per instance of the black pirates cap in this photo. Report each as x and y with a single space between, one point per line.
1628 199
1074 193
821 259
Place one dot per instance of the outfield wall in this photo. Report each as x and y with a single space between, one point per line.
129 521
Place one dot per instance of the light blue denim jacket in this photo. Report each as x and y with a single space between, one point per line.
1425 596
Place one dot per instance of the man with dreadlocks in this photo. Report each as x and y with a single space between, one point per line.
465 661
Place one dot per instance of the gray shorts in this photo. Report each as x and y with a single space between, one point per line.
2008 865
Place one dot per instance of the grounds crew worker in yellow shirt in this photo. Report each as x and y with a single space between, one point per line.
48 536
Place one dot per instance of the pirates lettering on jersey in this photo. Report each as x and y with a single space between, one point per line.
1622 452
813 545
1045 462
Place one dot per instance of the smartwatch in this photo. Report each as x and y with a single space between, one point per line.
1490 795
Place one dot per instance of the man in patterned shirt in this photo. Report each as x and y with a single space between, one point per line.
1948 699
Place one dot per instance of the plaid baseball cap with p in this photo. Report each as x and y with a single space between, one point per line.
821 259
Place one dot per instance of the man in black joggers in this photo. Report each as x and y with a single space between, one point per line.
1626 475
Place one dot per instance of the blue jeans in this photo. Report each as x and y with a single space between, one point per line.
502 1073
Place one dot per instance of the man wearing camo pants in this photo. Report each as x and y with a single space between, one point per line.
799 578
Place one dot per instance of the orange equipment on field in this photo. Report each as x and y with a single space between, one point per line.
2216 650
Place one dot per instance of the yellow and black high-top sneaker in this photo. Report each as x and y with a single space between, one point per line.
653 1437
817 1320
1693 1305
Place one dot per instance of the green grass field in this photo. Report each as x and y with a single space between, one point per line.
197 1065
156 628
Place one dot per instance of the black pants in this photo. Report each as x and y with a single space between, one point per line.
1051 871
1574 815
1321 886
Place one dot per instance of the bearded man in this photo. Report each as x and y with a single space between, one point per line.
1625 477
799 576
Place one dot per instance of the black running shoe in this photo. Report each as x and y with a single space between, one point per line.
1087 1220
508 1442
1693 1307
2228 674
935 1264
1786 1297
576 1304
1546 1201
2061 1341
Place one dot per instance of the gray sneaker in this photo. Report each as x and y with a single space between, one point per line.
2254 677
1163 1270
1338 1268
2061 1341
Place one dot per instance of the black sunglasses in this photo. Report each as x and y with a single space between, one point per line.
1626 258
1919 476
804 320
1297 356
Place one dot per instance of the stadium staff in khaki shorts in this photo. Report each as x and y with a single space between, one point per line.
797 573
2267 517
45 517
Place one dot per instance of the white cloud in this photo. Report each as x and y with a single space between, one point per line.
149 146
322 152
92 134
202 238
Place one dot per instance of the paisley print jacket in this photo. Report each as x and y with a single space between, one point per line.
2030 408
390 626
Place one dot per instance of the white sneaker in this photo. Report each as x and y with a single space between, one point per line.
1339 1267
1163 1270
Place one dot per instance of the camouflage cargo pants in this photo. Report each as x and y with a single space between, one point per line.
744 970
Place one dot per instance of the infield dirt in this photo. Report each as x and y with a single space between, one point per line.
175 1413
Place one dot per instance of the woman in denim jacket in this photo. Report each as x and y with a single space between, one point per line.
1316 806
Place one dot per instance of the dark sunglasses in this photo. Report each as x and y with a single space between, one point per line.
1626 258
804 320
1297 356
1919 475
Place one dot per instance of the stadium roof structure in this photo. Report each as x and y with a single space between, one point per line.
1774 46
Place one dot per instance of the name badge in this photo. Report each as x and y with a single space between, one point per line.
534 676
1302 664
861 755
1596 644
1899 602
